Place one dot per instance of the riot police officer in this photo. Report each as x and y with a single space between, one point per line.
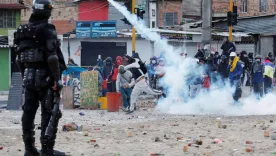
41 62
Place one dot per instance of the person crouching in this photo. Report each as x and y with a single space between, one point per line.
124 84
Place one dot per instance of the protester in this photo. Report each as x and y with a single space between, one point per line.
270 57
228 47
139 70
106 72
235 72
159 74
216 59
222 68
245 75
268 75
114 72
100 64
124 84
151 70
195 79
200 54
257 76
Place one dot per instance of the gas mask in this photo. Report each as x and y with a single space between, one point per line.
258 60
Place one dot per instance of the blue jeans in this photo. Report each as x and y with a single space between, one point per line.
126 92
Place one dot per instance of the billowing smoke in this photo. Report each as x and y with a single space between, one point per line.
217 100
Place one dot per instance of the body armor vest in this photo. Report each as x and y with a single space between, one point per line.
28 48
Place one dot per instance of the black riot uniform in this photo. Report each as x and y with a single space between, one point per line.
41 62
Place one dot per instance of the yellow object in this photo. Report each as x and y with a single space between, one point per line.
103 102
231 4
234 64
133 29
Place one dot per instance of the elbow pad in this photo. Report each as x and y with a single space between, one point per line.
53 65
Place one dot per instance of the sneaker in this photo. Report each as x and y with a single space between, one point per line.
164 95
129 112
124 109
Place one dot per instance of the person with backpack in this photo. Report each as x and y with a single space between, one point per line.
124 84
139 69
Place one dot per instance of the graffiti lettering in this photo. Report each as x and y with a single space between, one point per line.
89 89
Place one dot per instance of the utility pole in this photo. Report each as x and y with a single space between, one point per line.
133 29
206 23
230 38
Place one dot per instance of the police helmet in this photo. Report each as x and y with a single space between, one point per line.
42 6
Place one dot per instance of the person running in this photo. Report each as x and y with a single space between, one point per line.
139 69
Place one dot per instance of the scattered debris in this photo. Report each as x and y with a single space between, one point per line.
207 154
96 146
144 133
196 123
248 142
166 137
93 141
156 154
266 133
271 121
141 126
97 129
217 141
1 147
70 127
179 138
174 125
185 148
157 139
86 134
272 152
129 134
208 147
81 114
249 150
273 137
141 117
198 142
19 150
16 122
222 126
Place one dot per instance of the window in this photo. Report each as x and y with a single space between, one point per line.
263 5
243 6
7 19
274 5
170 19
153 12
153 24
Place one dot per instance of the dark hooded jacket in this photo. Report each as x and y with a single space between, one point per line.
222 68
107 67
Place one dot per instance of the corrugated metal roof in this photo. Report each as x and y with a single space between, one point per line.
12 6
257 25
4 46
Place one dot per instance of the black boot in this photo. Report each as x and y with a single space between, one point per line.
48 150
29 141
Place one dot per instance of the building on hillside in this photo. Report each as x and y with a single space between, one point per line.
9 20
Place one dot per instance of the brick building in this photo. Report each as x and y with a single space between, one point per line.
64 14
173 12
169 12
246 8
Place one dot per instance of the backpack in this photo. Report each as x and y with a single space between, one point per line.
143 67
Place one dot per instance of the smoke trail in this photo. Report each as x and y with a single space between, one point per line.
218 100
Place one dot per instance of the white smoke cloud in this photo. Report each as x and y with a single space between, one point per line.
218 100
